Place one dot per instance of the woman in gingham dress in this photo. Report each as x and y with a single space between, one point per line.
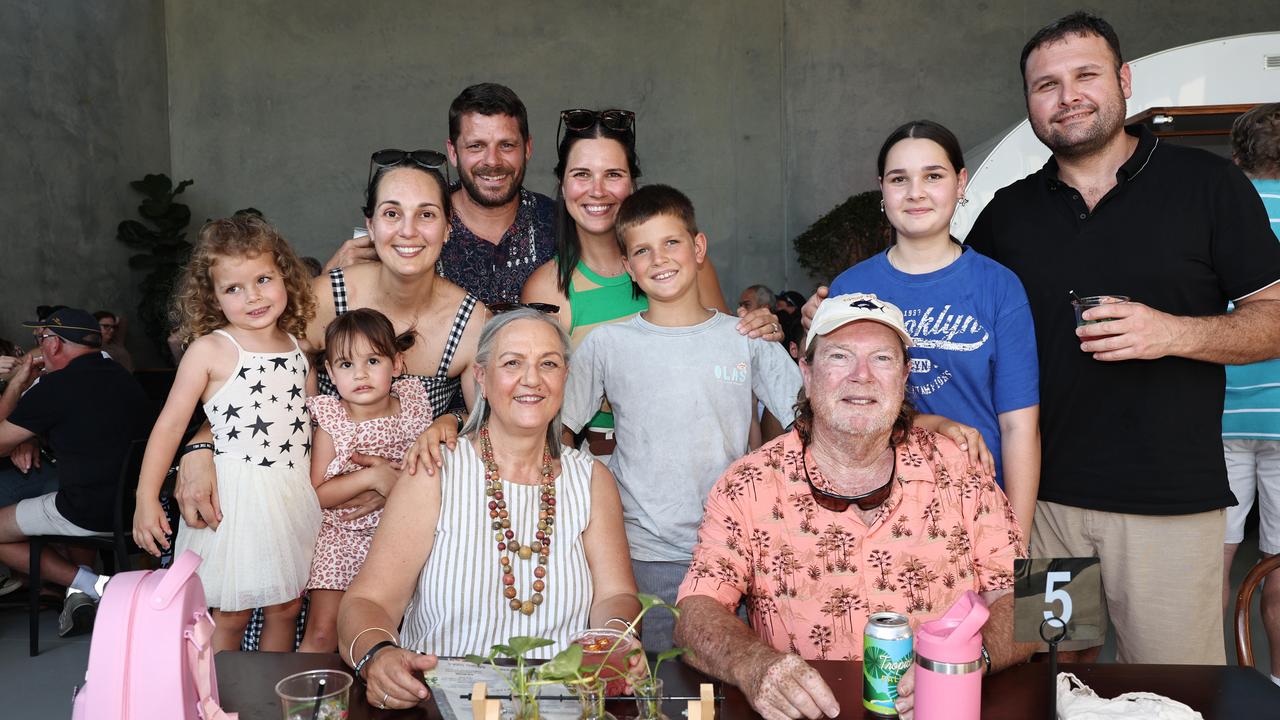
407 211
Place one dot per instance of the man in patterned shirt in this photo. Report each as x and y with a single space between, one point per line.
851 513
499 232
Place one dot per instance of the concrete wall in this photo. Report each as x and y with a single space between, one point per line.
856 70
278 105
82 107
767 112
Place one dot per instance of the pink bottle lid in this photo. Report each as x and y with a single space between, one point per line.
956 637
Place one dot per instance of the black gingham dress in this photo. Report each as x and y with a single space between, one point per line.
443 391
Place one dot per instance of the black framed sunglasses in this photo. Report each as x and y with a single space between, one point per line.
505 307
836 502
429 159
581 119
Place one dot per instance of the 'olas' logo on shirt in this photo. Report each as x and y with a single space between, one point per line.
736 374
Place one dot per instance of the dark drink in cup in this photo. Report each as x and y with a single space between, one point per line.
1082 304
608 649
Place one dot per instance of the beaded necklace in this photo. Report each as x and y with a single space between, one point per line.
508 545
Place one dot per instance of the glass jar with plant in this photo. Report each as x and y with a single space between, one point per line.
597 666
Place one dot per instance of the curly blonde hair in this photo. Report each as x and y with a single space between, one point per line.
195 310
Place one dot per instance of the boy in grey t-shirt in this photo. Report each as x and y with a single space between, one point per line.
680 380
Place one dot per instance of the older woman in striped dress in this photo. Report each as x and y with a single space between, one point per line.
516 535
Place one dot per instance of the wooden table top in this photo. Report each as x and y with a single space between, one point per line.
246 683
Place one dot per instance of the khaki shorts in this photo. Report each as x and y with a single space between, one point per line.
1161 577
39 516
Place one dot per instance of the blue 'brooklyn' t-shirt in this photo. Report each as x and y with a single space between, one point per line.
975 345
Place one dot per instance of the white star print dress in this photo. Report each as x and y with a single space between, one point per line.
260 555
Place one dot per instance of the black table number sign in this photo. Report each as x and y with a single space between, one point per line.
1069 589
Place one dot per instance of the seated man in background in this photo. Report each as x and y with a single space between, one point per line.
853 511
89 408
113 338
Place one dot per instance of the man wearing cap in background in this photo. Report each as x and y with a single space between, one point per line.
89 409
853 510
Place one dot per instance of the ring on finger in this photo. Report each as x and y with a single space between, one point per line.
383 705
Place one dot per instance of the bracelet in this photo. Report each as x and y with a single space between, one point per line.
351 651
461 420
627 627
194 447
986 658
373 651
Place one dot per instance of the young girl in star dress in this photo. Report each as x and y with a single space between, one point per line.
374 415
240 304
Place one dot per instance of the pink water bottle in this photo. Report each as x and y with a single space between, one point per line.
949 663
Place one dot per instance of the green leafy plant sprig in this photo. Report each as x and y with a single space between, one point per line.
525 679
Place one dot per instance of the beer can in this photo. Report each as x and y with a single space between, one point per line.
886 656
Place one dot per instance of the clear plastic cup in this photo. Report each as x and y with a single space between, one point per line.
298 694
608 648
1082 304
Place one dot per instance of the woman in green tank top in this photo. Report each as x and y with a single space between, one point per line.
597 170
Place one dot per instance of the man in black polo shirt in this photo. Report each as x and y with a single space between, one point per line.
89 408
1131 408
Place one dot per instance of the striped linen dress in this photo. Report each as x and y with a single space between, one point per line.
458 606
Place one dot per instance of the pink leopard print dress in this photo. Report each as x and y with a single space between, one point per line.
343 544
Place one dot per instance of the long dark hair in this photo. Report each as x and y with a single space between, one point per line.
921 130
568 245
371 191
367 323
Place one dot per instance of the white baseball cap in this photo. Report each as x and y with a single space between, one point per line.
836 312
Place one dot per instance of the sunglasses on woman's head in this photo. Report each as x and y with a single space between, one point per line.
581 120
839 503
429 159
505 307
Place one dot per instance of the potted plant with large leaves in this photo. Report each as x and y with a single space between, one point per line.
853 231
162 249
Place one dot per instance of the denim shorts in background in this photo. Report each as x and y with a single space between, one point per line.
15 486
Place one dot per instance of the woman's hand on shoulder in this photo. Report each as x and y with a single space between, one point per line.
352 252
425 452
969 439
760 323
393 678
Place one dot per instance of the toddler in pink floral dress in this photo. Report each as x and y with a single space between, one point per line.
373 416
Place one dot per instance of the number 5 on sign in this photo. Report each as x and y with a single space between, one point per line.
1055 594
1069 589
